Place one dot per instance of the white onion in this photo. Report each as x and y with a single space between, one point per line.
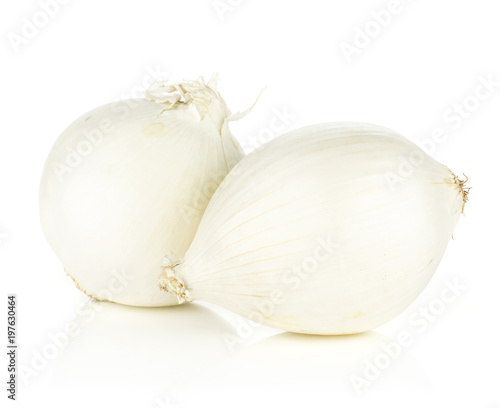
318 232
129 181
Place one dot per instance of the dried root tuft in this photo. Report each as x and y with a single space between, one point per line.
83 290
463 189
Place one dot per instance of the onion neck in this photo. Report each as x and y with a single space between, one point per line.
201 98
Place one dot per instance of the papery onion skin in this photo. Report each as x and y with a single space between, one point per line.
129 181
320 232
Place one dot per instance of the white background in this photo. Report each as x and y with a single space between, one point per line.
413 75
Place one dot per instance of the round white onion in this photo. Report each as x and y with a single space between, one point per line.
129 181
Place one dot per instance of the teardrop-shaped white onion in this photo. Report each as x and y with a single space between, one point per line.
129 181
319 232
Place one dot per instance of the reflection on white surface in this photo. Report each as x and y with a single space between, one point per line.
132 348
181 351
288 362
